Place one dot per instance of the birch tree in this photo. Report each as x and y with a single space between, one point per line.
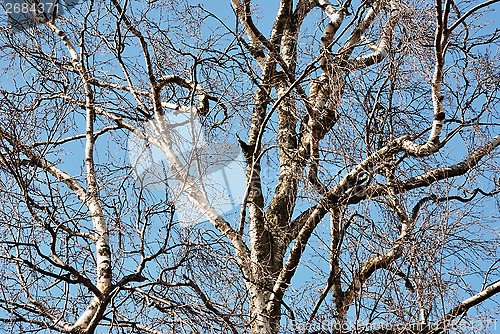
368 133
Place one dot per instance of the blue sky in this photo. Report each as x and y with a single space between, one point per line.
266 14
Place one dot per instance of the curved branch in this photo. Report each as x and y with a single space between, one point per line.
209 305
255 47
431 176
470 12
379 51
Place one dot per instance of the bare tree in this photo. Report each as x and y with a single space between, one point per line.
368 134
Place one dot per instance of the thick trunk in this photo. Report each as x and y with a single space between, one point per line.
264 321
260 322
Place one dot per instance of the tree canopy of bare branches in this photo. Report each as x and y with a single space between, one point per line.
366 132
